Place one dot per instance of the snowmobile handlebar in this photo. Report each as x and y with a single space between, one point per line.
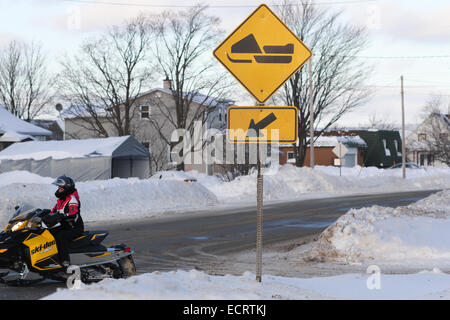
42 212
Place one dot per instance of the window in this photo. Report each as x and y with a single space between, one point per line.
290 155
422 136
387 152
430 159
398 147
145 112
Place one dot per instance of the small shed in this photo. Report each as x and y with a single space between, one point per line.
83 160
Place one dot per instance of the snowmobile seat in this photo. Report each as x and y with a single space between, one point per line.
88 249
89 238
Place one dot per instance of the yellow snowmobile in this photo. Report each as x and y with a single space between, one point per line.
29 253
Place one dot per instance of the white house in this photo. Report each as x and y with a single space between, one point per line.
429 144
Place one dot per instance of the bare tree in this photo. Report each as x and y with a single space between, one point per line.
103 81
337 76
25 83
380 123
436 128
182 49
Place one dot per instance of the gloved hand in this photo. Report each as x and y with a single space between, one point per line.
42 212
51 219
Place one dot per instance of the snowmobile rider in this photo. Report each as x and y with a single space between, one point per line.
66 212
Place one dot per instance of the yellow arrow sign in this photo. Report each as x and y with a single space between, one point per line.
262 124
262 53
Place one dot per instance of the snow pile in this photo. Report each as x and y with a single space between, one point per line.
414 235
106 200
290 182
22 177
195 285
133 198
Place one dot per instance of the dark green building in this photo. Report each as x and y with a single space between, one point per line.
384 147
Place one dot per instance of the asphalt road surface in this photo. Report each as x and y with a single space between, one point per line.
195 240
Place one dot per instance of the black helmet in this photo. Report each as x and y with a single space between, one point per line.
66 183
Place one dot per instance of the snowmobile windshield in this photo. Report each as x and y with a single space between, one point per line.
23 212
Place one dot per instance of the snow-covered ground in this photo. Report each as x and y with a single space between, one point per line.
118 199
196 285
288 182
412 235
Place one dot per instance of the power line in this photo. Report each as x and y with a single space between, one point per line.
212 6
400 57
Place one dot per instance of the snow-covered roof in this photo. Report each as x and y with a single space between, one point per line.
332 141
79 111
61 149
76 111
196 97
11 136
10 123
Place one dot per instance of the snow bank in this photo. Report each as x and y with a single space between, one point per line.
290 182
22 177
133 198
195 285
414 235
106 200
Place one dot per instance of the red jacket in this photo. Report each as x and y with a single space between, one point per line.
69 208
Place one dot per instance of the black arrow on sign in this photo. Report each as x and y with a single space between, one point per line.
254 128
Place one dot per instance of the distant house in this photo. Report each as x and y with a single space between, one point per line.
366 147
429 143
13 129
153 114
323 150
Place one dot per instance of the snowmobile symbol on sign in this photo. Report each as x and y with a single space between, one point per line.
262 53
249 45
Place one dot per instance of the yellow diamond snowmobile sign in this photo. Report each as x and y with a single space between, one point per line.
262 53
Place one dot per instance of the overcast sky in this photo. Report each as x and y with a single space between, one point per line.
407 37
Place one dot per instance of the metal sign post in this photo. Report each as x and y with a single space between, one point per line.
259 217
340 151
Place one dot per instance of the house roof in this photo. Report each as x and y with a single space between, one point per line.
11 136
332 141
62 149
77 111
196 97
10 123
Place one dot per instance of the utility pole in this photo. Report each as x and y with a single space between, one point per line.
403 131
311 117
